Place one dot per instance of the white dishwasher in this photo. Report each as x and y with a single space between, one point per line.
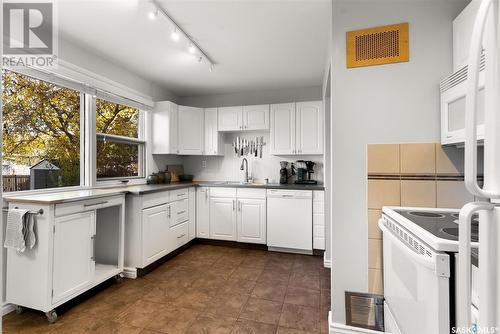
289 220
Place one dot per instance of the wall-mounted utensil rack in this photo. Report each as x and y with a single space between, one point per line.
248 147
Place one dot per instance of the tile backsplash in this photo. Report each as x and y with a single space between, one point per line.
227 167
418 175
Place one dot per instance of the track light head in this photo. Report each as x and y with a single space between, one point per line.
153 14
192 49
175 35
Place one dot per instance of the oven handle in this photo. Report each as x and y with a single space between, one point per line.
423 260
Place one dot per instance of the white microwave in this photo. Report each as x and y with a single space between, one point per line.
453 94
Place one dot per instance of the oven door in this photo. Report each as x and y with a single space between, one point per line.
416 284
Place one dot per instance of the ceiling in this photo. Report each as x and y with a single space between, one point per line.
256 44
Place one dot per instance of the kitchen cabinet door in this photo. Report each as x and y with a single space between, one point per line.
202 212
164 125
223 219
191 130
282 129
462 33
192 213
156 223
214 140
73 254
256 117
251 220
309 133
230 118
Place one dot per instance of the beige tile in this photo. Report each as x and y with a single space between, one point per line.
418 158
373 229
449 160
383 192
375 281
418 193
452 194
383 159
375 254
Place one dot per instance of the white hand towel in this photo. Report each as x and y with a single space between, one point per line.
29 222
14 236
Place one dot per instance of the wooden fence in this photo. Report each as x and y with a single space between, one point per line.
15 182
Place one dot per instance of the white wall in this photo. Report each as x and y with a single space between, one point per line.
227 168
255 97
396 103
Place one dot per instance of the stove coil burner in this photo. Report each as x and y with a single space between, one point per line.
426 214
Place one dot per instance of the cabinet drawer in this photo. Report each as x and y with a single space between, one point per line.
252 193
178 236
223 192
179 194
64 209
154 199
180 212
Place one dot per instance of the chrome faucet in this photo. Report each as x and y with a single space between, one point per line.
245 167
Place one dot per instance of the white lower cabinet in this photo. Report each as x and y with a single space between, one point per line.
223 219
156 224
318 219
192 213
73 254
203 212
251 220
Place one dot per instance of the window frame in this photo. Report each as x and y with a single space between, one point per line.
140 141
67 84
88 135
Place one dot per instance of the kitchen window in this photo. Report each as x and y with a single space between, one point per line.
41 134
50 139
119 145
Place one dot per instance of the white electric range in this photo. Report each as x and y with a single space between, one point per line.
420 250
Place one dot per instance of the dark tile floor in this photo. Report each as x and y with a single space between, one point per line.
205 289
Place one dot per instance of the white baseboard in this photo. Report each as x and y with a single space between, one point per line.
7 308
129 272
327 263
337 328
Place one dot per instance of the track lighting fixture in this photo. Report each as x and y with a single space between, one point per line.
178 31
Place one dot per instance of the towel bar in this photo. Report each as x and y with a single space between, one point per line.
39 212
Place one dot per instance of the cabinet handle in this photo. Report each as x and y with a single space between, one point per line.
234 205
169 212
182 235
239 206
92 240
181 212
94 204
179 195
206 194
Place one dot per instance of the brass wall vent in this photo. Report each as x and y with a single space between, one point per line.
377 46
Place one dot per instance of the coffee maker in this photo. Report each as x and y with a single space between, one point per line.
284 172
305 169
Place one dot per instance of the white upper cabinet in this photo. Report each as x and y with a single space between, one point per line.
230 119
214 140
256 117
164 128
297 128
309 122
244 118
283 128
191 130
462 32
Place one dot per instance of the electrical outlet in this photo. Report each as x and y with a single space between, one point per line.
203 163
